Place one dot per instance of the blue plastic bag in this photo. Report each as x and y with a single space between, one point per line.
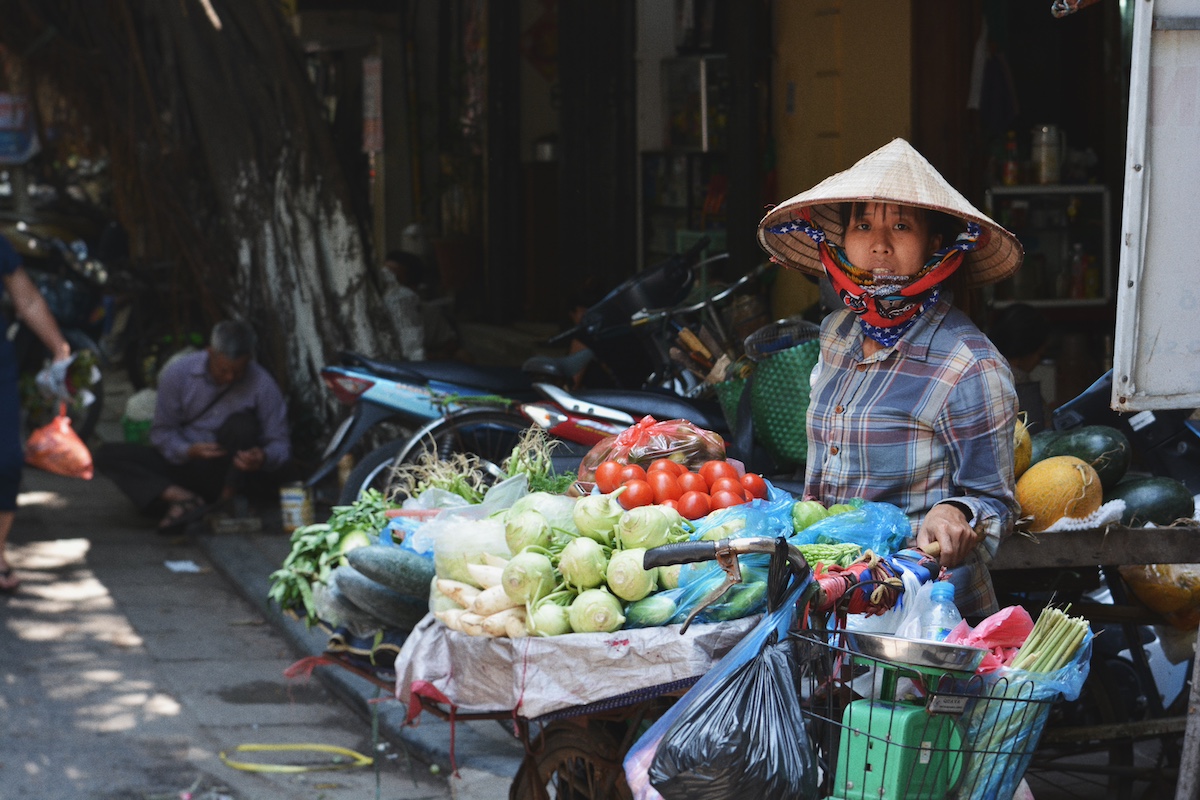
1005 723
880 527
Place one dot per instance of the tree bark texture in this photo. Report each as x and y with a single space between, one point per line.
222 162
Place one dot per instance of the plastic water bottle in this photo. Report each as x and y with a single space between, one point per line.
942 616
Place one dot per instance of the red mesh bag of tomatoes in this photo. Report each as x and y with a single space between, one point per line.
676 439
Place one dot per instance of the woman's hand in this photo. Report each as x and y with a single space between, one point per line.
947 525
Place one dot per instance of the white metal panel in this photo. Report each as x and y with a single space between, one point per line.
1156 354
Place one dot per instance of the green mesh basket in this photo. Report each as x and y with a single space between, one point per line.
779 402
729 394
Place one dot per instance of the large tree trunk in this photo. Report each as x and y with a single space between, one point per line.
222 161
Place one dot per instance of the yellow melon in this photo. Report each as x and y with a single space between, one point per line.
1022 448
1057 487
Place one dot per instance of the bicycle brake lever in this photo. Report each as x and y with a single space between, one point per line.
733 575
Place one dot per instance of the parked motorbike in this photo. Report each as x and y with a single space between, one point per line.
73 285
409 396
578 419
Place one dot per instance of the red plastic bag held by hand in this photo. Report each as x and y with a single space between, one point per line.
56 448
676 439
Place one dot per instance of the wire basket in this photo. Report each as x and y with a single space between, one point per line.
778 336
885 729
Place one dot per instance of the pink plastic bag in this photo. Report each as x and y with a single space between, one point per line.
1001 634
56 448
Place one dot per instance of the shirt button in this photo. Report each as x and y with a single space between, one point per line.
833 450
861 367
838 409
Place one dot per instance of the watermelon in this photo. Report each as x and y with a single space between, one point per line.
1102 446
1156 499
1039 442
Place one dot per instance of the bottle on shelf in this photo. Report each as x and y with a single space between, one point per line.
1079 266
1012 166
942 615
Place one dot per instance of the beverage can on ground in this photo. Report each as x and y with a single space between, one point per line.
295 506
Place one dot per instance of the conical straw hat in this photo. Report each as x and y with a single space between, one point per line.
895 173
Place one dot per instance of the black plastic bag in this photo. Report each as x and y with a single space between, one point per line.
743 738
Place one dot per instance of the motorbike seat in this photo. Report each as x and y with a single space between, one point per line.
493 379
660 404
558 367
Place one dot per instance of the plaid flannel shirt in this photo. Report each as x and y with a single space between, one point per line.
928 420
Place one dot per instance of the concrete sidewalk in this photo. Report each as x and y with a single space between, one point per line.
167 649
486 756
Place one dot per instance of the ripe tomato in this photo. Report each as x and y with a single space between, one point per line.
608 476
671 504
694 505
631 472
727 485
674 467
665 486
725 499
711 470
754 485
693 482
637 493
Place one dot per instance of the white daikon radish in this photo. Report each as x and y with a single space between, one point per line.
485 575
491 601
471 624
459 592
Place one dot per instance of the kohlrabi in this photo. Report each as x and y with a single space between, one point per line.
529 576
595 611
626 576
583 563
596 516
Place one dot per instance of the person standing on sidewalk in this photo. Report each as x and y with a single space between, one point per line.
220 429
29 306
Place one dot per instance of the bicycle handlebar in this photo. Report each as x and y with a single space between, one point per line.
654 315
692 552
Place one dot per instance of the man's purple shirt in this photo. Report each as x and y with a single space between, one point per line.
185 387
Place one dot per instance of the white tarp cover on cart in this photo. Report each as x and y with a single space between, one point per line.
536 676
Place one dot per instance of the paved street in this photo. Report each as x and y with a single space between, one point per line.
125 675
120 678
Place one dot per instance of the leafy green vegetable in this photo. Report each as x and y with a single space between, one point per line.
320 548
531 457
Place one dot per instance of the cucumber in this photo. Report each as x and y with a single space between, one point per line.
742 600
1102 446
336 610
1156 499
397 611
400 570
651 611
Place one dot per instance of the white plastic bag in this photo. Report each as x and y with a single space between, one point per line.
498 498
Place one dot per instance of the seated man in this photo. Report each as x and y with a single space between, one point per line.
220 429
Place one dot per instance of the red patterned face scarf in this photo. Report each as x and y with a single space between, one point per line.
886 308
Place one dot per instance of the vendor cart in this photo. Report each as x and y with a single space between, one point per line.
578 703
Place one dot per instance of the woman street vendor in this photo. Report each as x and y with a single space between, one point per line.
910 403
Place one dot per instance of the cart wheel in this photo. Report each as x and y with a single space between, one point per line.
571 762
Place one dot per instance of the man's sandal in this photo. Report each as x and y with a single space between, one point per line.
181 514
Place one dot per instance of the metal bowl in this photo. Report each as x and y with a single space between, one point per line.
916 652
